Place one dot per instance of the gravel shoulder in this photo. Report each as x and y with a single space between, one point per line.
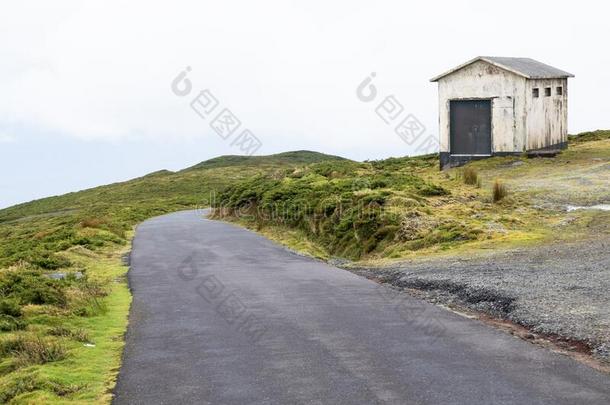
560 290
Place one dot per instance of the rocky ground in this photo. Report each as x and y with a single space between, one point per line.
560 290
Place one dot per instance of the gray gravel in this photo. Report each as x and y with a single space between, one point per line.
561 290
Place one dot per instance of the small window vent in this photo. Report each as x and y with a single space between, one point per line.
547 92
536 93
560 91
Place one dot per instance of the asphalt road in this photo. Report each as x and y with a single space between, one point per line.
221 315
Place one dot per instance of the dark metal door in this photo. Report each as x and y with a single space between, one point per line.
470 127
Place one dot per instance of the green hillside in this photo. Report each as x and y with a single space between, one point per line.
61 339
301 157
45 323
402 208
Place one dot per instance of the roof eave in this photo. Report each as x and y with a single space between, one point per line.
455 69
565 76
499 65
478 58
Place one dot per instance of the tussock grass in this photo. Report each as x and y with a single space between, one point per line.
499 191
29 349
471 176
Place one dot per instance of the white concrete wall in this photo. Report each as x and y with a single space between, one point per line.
547 117
507 92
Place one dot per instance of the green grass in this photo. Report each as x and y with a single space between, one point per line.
63 338
83 340
599 135
405 208
345 206
302 157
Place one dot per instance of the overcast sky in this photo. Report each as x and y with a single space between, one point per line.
86 95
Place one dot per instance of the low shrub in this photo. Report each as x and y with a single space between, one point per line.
48 260
32 287
92 222
597 135
88 306
10 315
29 349
18 386
10 323
10 307
94 289
341 205
429 189
33 382
80 335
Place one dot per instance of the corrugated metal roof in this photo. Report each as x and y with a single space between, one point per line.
526 67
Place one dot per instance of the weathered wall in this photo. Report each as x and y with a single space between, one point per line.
508 93
547 117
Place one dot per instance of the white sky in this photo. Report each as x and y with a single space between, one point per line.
80 77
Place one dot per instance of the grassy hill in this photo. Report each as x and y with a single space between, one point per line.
61 339
301 157
116 208
404 208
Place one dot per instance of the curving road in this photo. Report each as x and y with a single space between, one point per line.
221 315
